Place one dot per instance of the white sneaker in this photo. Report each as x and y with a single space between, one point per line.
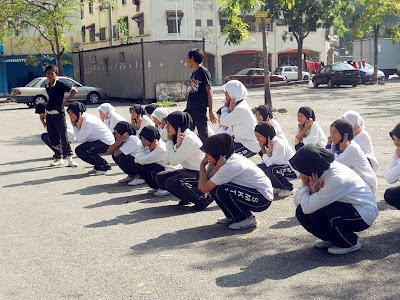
339 251
285 193
276 190
246 223
321 244
224 220
71 162
98 173
136 181
160 193
125 179
92 171
57 162
151 191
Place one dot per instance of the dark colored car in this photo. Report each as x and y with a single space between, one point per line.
367 72
337 74
251 76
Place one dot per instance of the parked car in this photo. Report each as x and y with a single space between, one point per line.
367 72
290 72
253 76
337 74
35 92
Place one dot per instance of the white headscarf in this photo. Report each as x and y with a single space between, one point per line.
354 118
106 108
160 113
236 90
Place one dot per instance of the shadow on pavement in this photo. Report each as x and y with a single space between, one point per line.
44 181
142 198
278 266
289 222
26 161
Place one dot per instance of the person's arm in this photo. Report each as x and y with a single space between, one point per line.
230 118
213 119
303 130
82 129
181 154
154 156
313 136
393 173
42 118
71 95
117 143
277 156
205 184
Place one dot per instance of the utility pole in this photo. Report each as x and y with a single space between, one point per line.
110 23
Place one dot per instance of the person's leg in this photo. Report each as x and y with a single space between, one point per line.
237 202
162 176
149 172
242 150
278 175
200 121
336 223
46 140
127 164
54 138
61 126
392 196
89 152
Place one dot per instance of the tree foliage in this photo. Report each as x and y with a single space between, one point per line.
45 22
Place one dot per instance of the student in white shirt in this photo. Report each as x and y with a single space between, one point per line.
149 109
275 154
158 116
150 158
124 150
183 147
222 129
264 114
94 136
392 195
236 184
139 120
361 136
40 109
109 116
333 202
308 131
237 114
349 153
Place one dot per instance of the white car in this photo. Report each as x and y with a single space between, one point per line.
290 72
35 92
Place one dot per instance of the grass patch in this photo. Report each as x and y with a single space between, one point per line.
166 103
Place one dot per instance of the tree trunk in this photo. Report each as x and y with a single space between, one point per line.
300 59
59 64
376 36
267 91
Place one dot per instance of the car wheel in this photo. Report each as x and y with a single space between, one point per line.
330 83
361 80
39 99
305 77
93 98
315 83
354 84
284 78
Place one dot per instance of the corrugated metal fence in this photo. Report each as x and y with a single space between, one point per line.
131 71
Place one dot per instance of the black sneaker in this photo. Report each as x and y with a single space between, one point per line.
203 205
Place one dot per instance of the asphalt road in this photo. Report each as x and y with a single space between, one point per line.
67 235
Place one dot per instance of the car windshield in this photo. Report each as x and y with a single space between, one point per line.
33 82
243 72
342 67
295 69
278 70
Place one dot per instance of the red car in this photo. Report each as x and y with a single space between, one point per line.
251 76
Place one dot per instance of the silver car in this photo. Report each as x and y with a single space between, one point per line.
35 92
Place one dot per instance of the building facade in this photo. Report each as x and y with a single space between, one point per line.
156 20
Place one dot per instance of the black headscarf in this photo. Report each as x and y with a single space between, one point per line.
307 112
312 159
343 127
265 111
123 127
138 109
180 119
395 131
76 107
219 145
265 130
40 108
150 133
150 108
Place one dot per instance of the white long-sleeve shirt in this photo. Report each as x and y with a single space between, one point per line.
243 123
188 155
146 121
281 153
355 159
314 136
278 130
93 129
364 141
157 156
113 120
340 184
393 173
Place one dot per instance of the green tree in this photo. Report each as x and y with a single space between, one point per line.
46 22
373 15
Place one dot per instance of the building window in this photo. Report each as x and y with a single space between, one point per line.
102 35
174 18
139 19
82 9
137 3
123 2
223 23
106 67
101 8
209 23
83 34
198 23
121 57
115 32
91 6
92 32
280 22
94 60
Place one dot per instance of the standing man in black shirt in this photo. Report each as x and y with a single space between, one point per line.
200 94
55 118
